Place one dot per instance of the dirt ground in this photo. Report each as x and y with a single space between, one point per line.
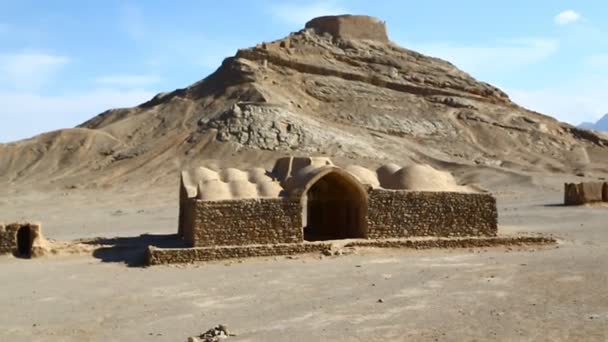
548 294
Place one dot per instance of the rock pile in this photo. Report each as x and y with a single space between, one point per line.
215 334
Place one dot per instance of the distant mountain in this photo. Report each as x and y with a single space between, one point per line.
600 125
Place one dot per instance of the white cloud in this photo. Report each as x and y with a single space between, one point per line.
482 60
128 81
567 17
573 102
29 70
299 14
26 114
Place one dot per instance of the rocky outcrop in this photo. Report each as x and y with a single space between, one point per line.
259 125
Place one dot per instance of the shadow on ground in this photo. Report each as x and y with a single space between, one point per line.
558 205
132 250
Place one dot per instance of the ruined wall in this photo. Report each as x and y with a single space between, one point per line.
8 239
242 222
350 27
9 242
587 192
394 214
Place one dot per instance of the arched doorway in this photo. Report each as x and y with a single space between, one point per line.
335 207
24 241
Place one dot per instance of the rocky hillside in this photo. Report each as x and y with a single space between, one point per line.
338 87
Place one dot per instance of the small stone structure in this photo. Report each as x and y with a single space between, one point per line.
235 213
350 27
586 192
21 239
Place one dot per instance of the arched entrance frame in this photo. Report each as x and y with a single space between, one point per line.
334 205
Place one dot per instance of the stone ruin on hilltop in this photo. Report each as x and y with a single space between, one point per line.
350 27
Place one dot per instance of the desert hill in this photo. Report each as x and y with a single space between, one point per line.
599 125
339 87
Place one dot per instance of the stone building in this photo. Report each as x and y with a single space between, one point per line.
311 199
21 239
586 192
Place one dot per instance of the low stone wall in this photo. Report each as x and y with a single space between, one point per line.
586 192
395 214
9 240
456 242
158 256
246 222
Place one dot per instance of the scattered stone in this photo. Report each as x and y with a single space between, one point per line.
215 334
380 300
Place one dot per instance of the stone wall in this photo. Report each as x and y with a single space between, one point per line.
395 214
390 214
158 256
587 192
8 240
244 222
350 27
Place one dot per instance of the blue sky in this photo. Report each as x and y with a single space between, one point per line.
62 62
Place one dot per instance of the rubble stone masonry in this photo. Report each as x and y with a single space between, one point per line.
158 256
246 222
396 214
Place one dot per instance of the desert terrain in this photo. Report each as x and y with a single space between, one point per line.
526 294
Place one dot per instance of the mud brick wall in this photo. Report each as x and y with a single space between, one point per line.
395 214
244 222
587 192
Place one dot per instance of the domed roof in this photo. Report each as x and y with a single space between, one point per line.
365 176
243 189
213 190
232 174
385 172
209 185
423 177
269 189
258 174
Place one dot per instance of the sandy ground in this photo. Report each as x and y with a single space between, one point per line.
550 294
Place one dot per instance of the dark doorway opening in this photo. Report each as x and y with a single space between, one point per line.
24 241
335 208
